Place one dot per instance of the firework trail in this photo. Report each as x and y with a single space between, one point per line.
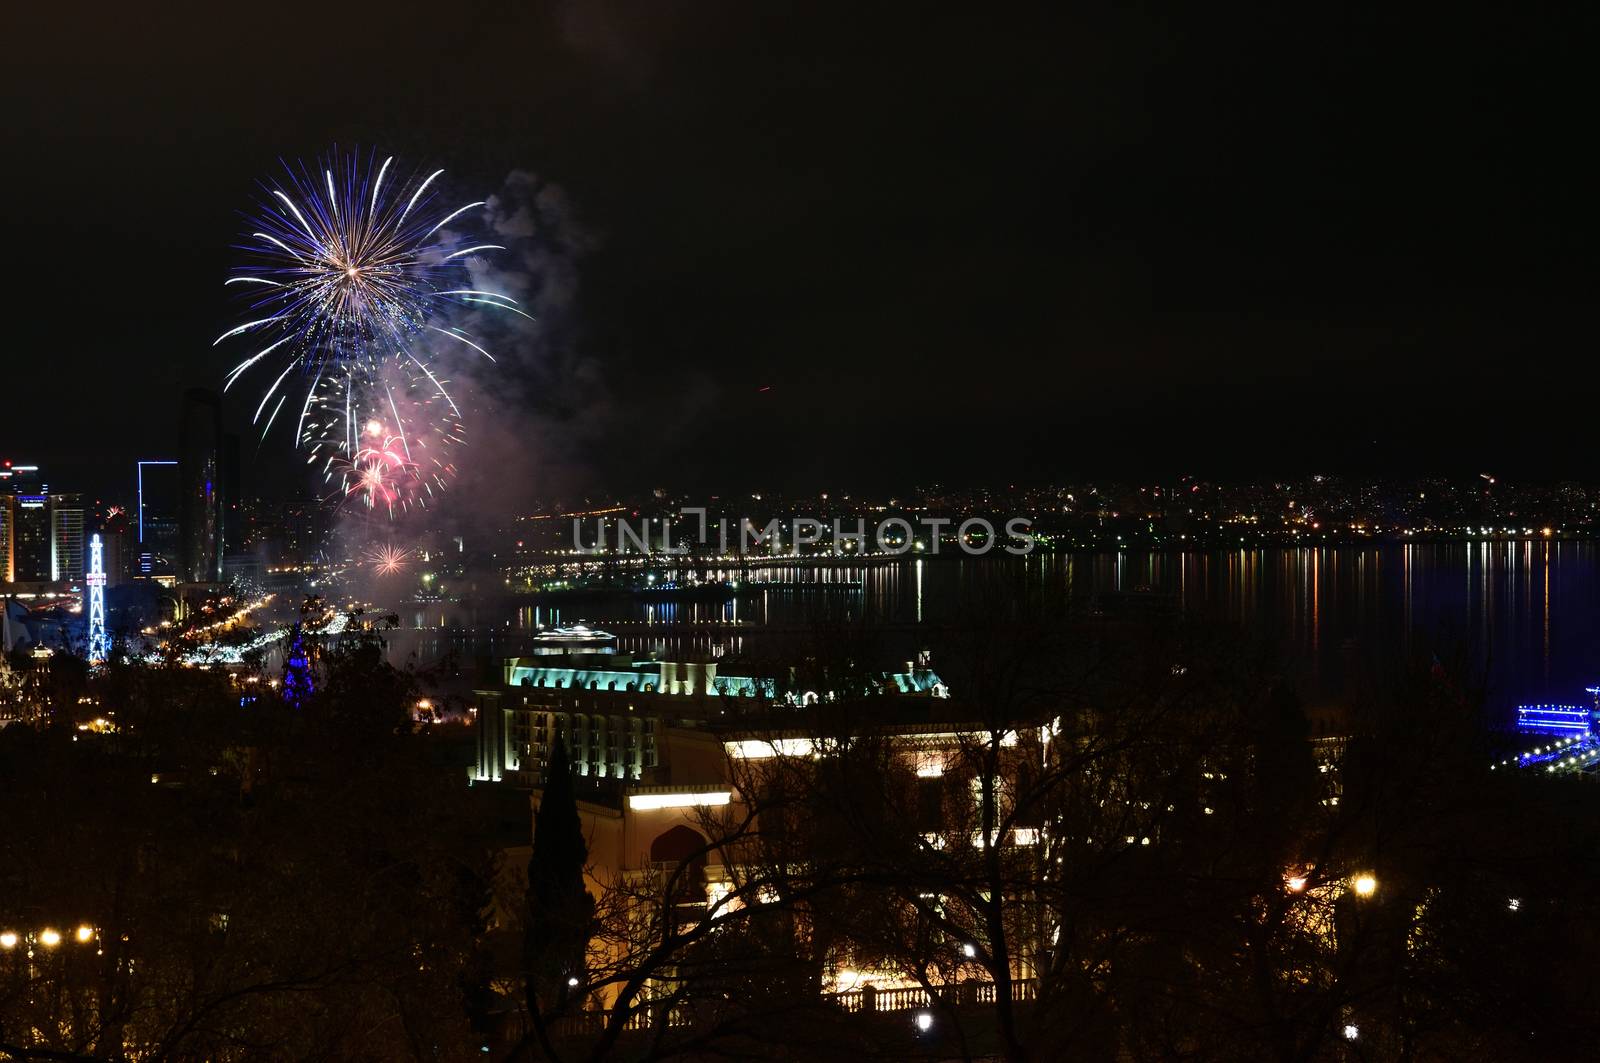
346 291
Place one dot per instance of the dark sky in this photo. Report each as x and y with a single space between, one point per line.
953 244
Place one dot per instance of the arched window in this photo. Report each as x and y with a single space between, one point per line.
677 844
678 854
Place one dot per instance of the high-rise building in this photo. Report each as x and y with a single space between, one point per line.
66 537
30 541
156 519
8 526
200 485
41 532
19 520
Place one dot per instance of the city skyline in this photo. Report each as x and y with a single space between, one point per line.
673 530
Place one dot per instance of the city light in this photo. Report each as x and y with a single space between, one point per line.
924 1021
1351 1031
757 749
647 802
49 938
1365 884
8 940
85 934
99 644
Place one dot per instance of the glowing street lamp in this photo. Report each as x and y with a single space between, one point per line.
1365 884
85 934
49 938
8 940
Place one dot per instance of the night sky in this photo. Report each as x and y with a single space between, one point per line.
959 246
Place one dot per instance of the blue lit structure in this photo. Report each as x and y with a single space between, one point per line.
1574 754
99 644
1553 719
297 684
141 466
1561 719
1575 742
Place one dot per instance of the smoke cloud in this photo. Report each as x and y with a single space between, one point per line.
529 400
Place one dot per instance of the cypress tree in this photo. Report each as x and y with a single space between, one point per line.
560 909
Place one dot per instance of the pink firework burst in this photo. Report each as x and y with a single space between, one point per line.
389 559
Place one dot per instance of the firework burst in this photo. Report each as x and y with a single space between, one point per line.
389 559
385 438
349 281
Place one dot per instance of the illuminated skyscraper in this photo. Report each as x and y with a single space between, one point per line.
156 518
200 484
30 538
66 537
41 532
19 522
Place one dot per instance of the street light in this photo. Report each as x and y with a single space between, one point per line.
8 940
1351 1031
49 938
924 1021
85 933
1365 884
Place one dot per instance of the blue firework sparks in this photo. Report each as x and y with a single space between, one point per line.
350 274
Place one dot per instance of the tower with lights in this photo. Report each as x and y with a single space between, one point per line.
99 644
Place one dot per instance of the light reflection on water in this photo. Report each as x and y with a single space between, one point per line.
1528 613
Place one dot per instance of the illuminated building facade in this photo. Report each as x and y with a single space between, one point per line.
67 556
610 708
603 707
41 532
30 539
716 756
